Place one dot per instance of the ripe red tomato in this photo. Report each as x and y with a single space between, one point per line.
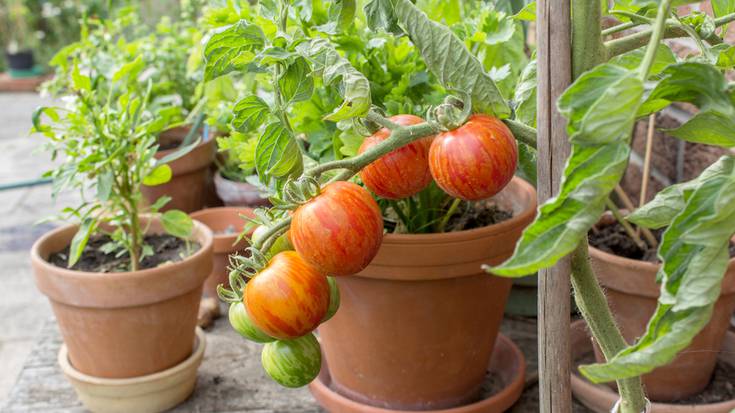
288 298
340 230
402 172
476 160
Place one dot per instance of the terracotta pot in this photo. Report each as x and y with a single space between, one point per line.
125 324
151 393
415 329
601 398
632 293
234 193
220 221
192 175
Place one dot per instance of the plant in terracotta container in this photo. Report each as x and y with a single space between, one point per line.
673 312
442 189
19 38
124 281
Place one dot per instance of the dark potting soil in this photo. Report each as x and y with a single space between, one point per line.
721 388
169 144
166 249
477 215
613 239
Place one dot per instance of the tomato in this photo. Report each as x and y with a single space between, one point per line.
476 160
340 230
292 363
242 323
288 298
334 299
282 243
402 172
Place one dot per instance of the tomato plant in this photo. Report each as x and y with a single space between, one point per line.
288 298
338 231
402 172
476 160
293 363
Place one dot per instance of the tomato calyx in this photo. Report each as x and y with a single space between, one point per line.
299 191
452 113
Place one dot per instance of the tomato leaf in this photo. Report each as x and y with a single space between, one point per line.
249 113
177 223
723 7
527 13
332 67
597 162
158 176
525 95
296 83
449 60
87 227
632 60
695 256
232 48
277 154
380 15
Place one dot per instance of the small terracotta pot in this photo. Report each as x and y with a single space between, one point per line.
632 293
220 220
601 398
125 324
234 193
152 393
416 328
192 175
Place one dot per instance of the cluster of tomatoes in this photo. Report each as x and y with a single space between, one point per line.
339 231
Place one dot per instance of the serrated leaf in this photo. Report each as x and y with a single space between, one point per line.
86 229
277 154
249 113
177 223
232 48
694 252
296 83
273 54
333 68
343 13
380 15
158 176
449 60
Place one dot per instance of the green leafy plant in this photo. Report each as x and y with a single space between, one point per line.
14 21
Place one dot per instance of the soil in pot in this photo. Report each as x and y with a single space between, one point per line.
632 294
166 249
416 328
20 61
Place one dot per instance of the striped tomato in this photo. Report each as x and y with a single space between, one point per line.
476 160
288 298
334 299
402 172
340 230
242 323
292 363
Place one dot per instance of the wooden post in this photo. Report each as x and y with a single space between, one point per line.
554 75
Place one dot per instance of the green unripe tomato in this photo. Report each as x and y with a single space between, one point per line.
333 298
292 363
281 243
242 323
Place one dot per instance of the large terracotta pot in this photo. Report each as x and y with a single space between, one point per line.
126 324
192 174
221 220
234 193
632 293
415 329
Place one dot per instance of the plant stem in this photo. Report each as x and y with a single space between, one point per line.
594 308
619 28
268 238
647 234
626 225
445 219
522 132
656 35
587 51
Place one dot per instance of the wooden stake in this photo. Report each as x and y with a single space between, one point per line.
647 159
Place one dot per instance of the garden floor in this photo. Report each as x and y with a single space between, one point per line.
230 379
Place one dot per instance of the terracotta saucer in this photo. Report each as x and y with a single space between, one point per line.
507 361
600 398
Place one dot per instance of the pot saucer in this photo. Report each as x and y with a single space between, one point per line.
151 393
507 362
600 398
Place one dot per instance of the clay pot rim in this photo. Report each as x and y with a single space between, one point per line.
503 399
607 396
475 233
200 344
201 233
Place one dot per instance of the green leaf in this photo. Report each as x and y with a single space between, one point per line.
527 13
332 67
296 83
277 154
80 81
599 157
158 176
177 223
527 161
632 60
87 228
40 111
104 185
178 153
450 61
160 203
525 95
710 127
380 15
232 48
343 12
694 252
249 113
723 7
273 54
129 70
